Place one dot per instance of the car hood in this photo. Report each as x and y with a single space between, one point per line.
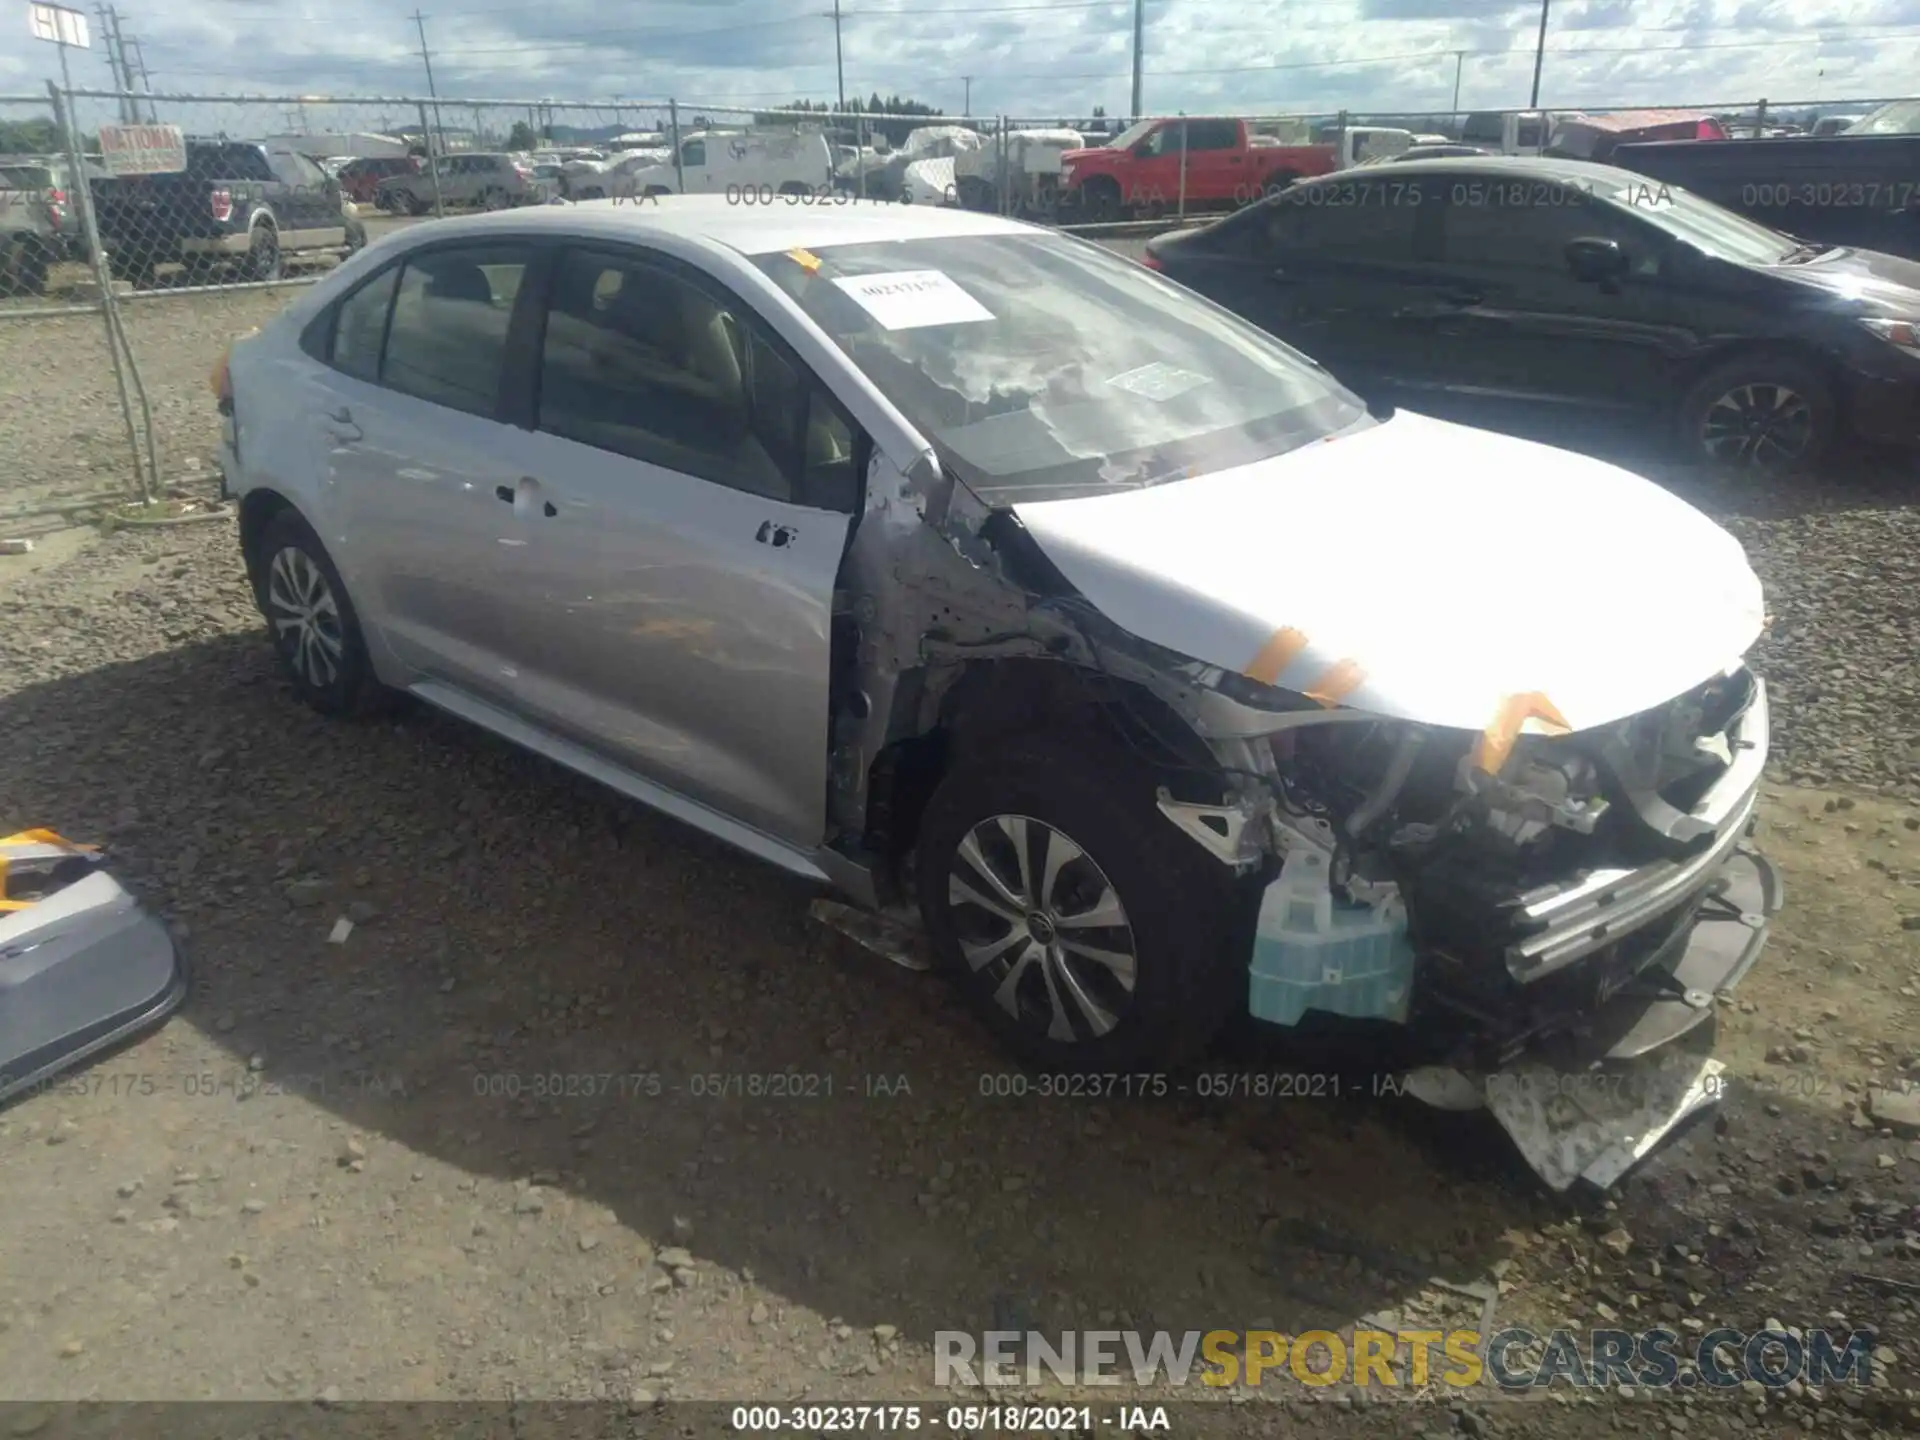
1884 284
1424 571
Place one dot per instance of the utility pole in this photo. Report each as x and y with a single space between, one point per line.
146 81
116 59
1139 38
1539 55
1459 60
839 64
426 58
966 107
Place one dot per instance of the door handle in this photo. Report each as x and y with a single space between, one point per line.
510 494
341 427
342 416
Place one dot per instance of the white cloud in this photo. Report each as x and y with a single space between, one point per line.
1030 57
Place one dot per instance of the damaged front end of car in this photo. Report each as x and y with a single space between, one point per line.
1548 905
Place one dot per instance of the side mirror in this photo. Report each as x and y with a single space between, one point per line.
1144 150
1594 260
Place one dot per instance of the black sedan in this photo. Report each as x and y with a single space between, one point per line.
1564 283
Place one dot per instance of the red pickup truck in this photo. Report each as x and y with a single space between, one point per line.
1139 171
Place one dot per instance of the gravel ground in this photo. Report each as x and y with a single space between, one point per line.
338 1173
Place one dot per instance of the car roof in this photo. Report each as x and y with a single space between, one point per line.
1540 167
746 229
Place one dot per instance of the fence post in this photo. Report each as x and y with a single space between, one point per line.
679 161
1006 168
433 162
1183 166
1760 120
146 478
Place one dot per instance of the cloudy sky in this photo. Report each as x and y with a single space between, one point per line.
1025 57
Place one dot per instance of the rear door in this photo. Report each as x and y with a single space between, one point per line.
1342 270
1216 161
406 411
689 487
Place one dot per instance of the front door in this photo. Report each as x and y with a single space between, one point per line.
415 472
309 203
696 488
1536 332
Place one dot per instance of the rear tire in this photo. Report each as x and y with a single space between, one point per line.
311 622
264 262
1148 987
1759 414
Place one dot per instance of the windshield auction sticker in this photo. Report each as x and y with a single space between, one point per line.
911 299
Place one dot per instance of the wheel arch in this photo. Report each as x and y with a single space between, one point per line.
259 508
986 703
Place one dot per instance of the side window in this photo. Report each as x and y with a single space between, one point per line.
1164 141
296 169
694 152
1379 222
1525 226
1528 132
360 325
1212 134
641 362
447 342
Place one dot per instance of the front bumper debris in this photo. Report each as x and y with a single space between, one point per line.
1592 1104
82 966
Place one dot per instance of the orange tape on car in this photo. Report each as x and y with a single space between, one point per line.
1496 742
1340 681
1274 656
806 260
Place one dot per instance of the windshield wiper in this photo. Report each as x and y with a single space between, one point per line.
1803 252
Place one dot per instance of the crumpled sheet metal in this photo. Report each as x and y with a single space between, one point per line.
1597 1125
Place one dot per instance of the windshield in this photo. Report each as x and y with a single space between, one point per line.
1901 117
1704 225
1045 368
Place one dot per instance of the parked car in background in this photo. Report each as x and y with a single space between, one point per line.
1861 187
1595 137
596 179
40 223
1093 683
1507 132
1143 169
487 180
1550 282
770 162
360 178
238 205
1834 124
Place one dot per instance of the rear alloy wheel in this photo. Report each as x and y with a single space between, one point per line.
493 198
1086 930
1761 416
263 254
310 620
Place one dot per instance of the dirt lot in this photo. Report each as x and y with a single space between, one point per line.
338 1173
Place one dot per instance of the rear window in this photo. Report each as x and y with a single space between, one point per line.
1041 367
227 162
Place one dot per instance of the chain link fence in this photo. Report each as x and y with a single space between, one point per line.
135 284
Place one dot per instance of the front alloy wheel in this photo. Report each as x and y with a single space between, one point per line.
1036 916
305 617
1087 932
1758 427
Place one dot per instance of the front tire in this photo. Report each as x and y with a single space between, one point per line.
1759 414
1087 932
313 626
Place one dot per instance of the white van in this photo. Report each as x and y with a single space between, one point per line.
762 165
1508 132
